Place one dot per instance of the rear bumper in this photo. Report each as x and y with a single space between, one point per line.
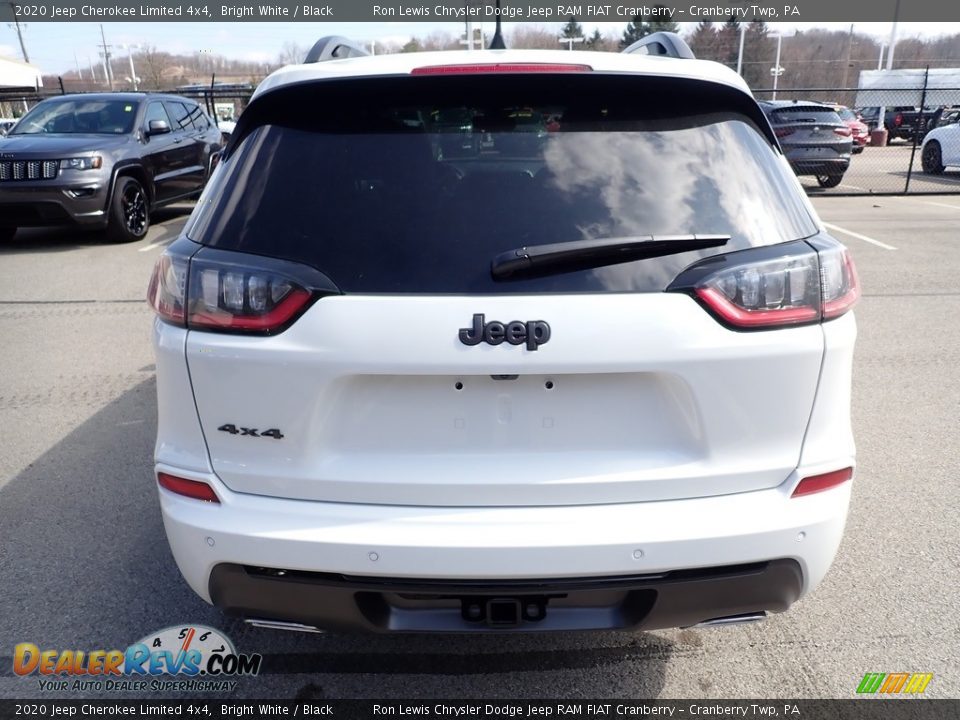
43 204
820 167
639 547
641 602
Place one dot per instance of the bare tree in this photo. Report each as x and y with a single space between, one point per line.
533 37
153 65
291 53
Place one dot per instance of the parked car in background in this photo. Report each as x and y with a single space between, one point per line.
104 161
814 139
859 132
941 146
590 370
946 115
902 122
868 115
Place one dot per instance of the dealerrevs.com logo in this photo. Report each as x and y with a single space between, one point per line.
191 658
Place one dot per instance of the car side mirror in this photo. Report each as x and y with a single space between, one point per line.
158 127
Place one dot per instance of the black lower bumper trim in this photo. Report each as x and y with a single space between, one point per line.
642 602
820 167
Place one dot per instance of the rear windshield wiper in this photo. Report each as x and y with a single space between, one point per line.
598 252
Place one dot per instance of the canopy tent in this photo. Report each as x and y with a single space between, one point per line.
16 75
894 88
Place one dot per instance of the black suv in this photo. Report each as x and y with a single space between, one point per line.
813 137
104 161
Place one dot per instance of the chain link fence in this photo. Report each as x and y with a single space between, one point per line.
913 134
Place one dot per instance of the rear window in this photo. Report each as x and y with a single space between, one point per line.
811 115
416 186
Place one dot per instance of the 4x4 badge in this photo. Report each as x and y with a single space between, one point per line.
533 332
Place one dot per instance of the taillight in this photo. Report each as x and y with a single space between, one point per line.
476 68
168 286
235 297
774 286
763 294
226 291
783 132
819 483
898 120
188 488
839 283
844 131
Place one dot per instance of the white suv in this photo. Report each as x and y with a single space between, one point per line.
506 340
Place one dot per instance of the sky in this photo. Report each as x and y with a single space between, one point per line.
53 46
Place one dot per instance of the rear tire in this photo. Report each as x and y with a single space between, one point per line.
931 159
129 212
829 181
7 233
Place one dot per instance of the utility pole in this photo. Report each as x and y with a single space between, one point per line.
77 63
743 30
846 65
107 70
893 36
93 69
16 23
133 71
776 70
882 113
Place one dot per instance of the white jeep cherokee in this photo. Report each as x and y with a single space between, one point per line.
509 340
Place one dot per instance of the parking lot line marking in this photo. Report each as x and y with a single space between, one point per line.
859 236
939 204
151 246
853 187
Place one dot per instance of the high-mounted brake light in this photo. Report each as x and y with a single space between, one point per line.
476 68
819 483
188 488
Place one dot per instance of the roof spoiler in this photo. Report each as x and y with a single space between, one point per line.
333 47
662 43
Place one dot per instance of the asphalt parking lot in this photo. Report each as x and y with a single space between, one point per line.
85 564
885 169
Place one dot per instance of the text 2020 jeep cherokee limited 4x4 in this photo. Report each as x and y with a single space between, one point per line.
103 161
579 360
